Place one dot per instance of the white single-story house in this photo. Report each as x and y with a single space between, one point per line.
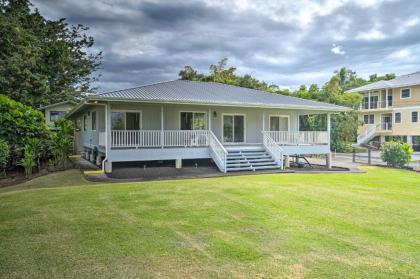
238 128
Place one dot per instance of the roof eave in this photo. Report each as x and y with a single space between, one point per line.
334 109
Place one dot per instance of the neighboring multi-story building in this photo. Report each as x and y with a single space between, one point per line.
390 110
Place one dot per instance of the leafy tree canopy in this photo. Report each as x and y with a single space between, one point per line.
43 61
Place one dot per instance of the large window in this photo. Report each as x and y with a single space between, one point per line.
193 120
125 120
374 102
54 115
93 124
369 118
397 117
279 123
405 93
414 116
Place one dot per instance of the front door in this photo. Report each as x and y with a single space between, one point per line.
386 122
233 128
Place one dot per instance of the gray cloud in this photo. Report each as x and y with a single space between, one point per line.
287 43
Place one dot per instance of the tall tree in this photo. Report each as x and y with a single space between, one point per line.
43 61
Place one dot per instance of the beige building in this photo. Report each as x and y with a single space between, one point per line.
55 111
390 111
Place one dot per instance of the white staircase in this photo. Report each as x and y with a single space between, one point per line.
368 134
255 159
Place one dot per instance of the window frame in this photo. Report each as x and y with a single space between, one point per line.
85 122
395 117
93 122
221 126
401 92
411 116
57 111
278 116
125 118
193 112
368 116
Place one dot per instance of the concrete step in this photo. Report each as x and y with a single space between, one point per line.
266 167
239 169
272 163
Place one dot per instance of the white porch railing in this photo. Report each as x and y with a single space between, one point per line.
273 148
217 151
367 134
153 138
297 138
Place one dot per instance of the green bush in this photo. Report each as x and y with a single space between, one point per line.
28 161
62 141
19 123
4 156
396 154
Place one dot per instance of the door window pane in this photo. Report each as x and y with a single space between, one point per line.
132 120
199 121
186 120
239 131
118 120
228 128
274 123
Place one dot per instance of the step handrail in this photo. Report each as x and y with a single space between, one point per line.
368 133
217 151
273 148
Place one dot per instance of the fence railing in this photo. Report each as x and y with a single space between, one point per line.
273 148
157 138
375 104
217 151
296 138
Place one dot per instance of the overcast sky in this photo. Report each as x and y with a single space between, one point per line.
283 42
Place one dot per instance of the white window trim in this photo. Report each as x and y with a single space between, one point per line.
401 97
193 111
125 117
411 116
401 117
221 126
279 115
91 120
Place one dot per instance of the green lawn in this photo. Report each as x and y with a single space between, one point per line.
287 225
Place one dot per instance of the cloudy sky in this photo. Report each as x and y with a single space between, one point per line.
283 42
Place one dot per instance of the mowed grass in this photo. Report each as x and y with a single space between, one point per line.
281 225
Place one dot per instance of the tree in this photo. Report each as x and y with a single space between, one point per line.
43 61
4 156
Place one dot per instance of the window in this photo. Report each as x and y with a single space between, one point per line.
93 124
84 122
193 120
374 102
366 102
279 123
397 117
405 93
54 115
369 118
414 116
121 120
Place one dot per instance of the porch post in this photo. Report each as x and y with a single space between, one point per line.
369 99
209 120
386 98
108 140
328 155
161 127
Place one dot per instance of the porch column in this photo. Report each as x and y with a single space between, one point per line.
161 127
107 167
369 99
297 121
410 140
386 97
329 129
209 120
328 160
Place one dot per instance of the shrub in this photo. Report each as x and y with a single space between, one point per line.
28 161
396 154
19 123
62 141
4 156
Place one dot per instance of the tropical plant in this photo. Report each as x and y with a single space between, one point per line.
4 156
396 154
36 148
43 61
62 141
28 161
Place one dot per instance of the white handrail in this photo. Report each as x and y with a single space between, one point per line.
370 131
217 152
273 148
296 138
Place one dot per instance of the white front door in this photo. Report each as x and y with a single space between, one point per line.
233 128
